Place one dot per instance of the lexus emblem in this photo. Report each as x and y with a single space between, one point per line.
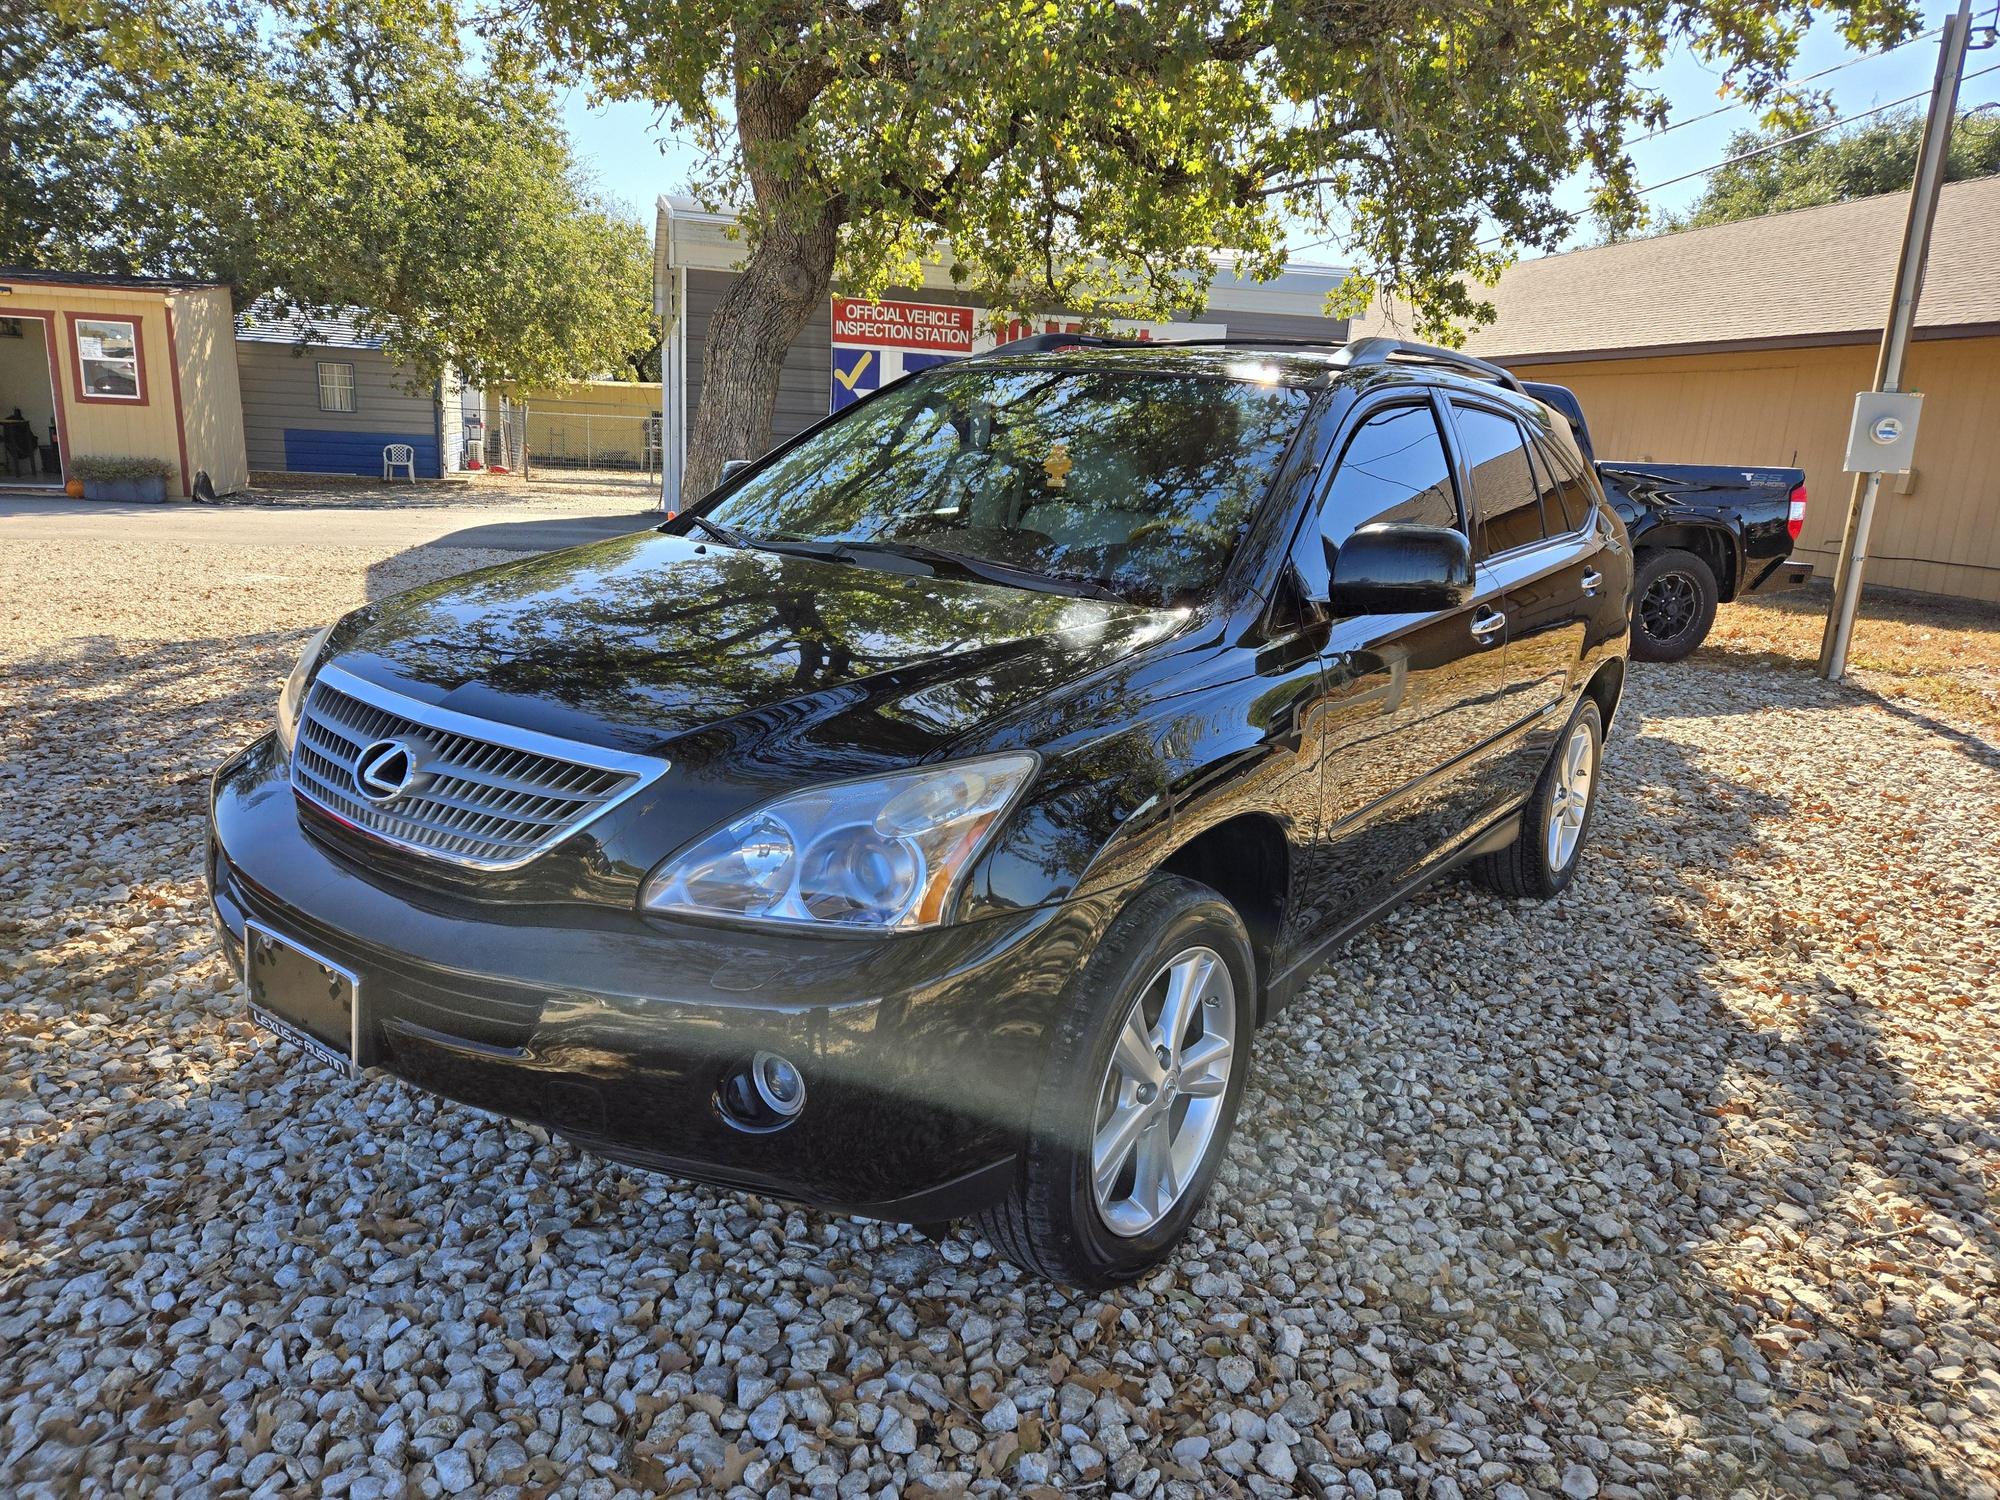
387 769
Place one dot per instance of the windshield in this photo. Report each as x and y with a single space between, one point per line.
1135 481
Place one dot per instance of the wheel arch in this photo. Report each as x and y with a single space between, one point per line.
1247 860
1606 688
1712 542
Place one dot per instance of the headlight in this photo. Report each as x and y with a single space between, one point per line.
880 855
293 698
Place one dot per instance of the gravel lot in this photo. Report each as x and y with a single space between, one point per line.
1680 1185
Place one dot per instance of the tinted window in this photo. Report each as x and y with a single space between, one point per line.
1503 487
1572 494
1393 469
1139 480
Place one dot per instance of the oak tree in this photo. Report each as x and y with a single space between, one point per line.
333 155
1099 154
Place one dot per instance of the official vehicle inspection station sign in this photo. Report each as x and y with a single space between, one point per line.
877 342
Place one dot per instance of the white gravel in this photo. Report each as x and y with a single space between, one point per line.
1678 1186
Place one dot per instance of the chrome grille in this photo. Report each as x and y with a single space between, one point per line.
481 794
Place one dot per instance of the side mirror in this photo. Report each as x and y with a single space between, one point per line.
731 467
1392 569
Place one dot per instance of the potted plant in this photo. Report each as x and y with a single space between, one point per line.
141 479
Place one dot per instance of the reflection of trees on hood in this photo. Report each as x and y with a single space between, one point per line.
619 629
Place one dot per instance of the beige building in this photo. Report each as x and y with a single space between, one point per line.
117 367
1745 343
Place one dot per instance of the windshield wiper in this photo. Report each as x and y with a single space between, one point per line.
995 572
838 551
727 535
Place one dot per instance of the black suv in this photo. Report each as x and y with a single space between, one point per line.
923 824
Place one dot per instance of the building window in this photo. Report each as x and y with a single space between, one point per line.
336 386
107 359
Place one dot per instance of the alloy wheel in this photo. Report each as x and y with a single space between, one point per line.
1162 1099
1570 798
1670 605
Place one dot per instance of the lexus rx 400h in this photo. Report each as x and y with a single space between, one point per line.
922 824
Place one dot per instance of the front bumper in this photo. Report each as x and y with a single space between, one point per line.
920 1052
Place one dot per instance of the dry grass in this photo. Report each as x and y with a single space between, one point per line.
1940 654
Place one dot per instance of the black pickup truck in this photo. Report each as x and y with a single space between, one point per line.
1702 535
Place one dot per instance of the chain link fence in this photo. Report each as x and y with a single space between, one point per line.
608 438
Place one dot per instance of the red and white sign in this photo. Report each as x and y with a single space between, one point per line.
875 343
903 325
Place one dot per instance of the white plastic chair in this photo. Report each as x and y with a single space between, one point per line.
399 456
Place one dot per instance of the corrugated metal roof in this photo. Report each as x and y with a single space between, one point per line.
265 322
1813 274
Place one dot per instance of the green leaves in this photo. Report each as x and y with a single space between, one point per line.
1097 155
350 157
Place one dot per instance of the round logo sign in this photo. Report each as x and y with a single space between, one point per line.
1886 430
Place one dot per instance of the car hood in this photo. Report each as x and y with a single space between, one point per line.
646 640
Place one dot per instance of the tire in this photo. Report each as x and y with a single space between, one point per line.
1538 864
1055 1223
1673 604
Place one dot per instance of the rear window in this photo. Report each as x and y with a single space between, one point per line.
1571 502
1138 480
1503 485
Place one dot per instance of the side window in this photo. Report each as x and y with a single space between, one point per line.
1572 494
1394 468
1503 486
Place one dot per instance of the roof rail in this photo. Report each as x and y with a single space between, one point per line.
1048 343
1380 351
1357 353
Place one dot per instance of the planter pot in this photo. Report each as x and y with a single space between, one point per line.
149 491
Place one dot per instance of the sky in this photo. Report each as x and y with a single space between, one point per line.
621 146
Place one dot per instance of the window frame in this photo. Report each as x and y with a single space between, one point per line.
1549 453
74 322
320 367
1474 401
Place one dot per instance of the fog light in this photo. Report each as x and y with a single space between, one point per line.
767 1093
779 1084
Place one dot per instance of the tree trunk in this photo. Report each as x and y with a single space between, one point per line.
787 279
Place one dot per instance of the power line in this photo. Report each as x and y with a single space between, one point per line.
1747 155
1736 104
1767 148
1764 150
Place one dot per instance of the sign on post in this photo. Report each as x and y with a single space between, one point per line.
877 342
1884 435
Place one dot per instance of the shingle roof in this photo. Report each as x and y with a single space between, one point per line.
1812 275
103 279
264 322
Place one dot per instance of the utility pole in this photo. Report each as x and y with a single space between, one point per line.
1896 334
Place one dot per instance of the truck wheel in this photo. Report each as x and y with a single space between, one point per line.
1136 1104
1675 596
1542 860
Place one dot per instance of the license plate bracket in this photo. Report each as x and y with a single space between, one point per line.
303 996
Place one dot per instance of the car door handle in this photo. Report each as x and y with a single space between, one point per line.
1488 624
1592 581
